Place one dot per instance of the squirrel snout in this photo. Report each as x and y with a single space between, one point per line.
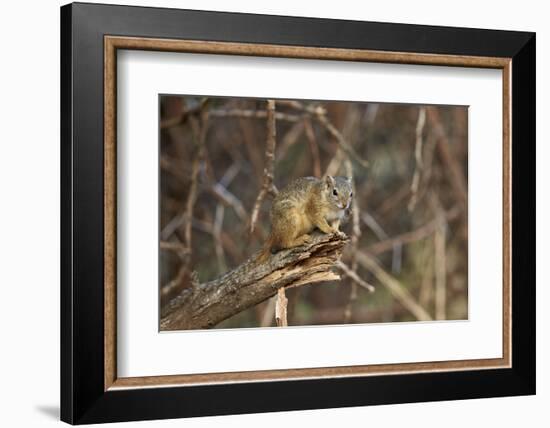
344 204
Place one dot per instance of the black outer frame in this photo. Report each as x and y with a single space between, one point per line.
83 399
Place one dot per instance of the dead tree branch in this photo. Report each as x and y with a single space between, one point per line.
207 304
281 305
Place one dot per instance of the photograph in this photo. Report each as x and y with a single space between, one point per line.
279 212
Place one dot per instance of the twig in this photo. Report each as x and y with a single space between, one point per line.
351 274
172 226
418 158
281 308
230 174
269 164
373 225
394 286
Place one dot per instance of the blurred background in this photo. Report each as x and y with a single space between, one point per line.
408 222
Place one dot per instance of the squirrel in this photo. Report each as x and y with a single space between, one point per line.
303 205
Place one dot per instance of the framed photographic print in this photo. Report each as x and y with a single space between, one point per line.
265 213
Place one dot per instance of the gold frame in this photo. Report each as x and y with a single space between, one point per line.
112 43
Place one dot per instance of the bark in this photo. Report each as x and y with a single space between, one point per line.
207 304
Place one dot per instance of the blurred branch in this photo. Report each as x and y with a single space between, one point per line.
319 113
199 127
167 166
393 200
449 160
313 148
230 200
215 113
335 163
177 247
254 114
205 305
418 158
355 235
415 235
344 145
229 244
351 274
216 235
182 118
199 132
373 225
289 139
394 286
440 261
269 165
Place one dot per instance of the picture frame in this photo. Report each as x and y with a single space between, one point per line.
91 35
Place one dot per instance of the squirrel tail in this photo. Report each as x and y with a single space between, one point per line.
266 251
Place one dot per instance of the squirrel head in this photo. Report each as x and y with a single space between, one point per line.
338 191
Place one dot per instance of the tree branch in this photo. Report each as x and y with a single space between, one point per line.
269 165
281 305
205 305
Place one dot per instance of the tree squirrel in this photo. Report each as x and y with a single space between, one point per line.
303 205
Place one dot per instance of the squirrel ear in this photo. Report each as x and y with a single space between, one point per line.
329 181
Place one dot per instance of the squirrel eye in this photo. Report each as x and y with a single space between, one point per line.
334 192
351 194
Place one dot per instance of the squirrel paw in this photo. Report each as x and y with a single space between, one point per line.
304 239
340 234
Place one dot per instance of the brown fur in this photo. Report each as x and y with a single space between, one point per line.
306 204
